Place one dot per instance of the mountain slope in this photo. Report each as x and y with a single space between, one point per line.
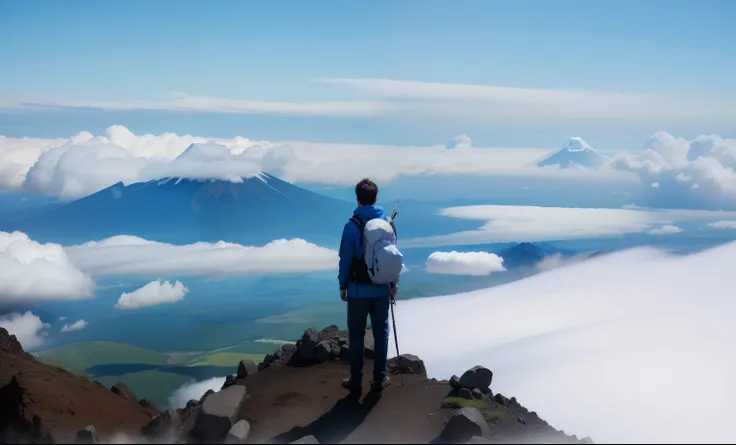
258 210
573 152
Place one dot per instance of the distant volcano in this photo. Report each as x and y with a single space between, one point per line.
257 210
573 152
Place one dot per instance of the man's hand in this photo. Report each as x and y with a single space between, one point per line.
344 294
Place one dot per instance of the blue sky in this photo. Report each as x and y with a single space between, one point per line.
88 51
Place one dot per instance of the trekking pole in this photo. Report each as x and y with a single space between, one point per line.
396 339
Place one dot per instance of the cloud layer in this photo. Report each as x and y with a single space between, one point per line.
27 328
531 223
153 293
464 263
76 326
194 390
133 256
598 346
30 271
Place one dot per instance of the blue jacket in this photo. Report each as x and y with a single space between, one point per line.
350 247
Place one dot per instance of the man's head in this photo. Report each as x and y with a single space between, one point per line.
366 192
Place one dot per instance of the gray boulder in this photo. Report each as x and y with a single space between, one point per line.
455 382
238 433
336 349
218 413
342 341
478 377
145 403
477 394
500 399
478 440
206 394
87 435
408 364
246 367
306 440
192 402
344 351
306 346
587 440
521 420
323 351
229 380
465 393
162 425
464 424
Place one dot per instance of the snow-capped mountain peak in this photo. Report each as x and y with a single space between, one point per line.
573 152
576 144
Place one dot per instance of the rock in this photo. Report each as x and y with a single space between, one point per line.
466 423
455 382
322 351
500 399
162 425
306 440
587 441
192 402
345 352
477 377
246 368
521 420
478 440
477 394
336 350
145 403
218 413
123 391
330 330
409 364
342 341
229 380
465 393
87 435
513 401
238 433
307 344
206 394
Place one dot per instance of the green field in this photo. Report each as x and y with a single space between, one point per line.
226 359
152 385
79 357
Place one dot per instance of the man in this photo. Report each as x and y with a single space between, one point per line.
364 299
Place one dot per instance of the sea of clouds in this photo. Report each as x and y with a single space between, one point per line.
635 346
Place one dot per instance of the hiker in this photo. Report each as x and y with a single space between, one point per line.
368 282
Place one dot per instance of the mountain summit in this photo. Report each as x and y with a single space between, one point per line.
573 152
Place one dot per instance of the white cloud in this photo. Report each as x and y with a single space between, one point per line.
723 225
464 263
62 318
30 271
486 101
531 223
76 326
698 172
194 390
153 293
461 141
668 229
598 346
133 256
27 328
557 260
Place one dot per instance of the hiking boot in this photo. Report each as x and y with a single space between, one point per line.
350 384
380 386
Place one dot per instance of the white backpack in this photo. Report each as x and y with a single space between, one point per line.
382 261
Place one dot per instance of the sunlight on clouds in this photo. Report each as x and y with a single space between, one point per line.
76 326
30 271
27 328
133 256
464 263
606 347
153 293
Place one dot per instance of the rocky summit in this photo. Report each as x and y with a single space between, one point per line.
293 396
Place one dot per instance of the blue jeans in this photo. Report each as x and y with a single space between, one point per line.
358 310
